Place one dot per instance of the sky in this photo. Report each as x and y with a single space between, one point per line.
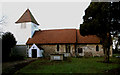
50 15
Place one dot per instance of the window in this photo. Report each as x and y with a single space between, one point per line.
23 25
67 48
97 48
80 50
57 47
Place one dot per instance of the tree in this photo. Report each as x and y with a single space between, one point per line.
2 19
102 19
8 42
2 25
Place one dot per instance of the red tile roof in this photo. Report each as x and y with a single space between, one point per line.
61 36
87 39
27 17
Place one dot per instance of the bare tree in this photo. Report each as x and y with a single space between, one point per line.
2 20
2 24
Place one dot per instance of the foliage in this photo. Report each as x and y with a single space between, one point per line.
76 65
102 19
8 42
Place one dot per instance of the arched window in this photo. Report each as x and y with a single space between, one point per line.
80 50
57 47
97 48
67 48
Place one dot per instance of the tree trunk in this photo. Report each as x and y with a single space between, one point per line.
109 43
106 47
106 42
105 56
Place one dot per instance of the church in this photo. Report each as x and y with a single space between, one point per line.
69 42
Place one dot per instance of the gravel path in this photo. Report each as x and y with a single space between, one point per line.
12 67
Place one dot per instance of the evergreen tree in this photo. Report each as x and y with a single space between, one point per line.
8 42
102 19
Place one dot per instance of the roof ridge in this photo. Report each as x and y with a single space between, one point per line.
57 29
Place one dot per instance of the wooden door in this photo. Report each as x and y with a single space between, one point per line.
34 53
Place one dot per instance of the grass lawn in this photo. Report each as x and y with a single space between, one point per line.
71 65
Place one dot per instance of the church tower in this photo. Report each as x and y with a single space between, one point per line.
26 25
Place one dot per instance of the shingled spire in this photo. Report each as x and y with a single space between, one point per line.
27 17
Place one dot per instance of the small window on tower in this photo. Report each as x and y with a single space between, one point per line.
23 25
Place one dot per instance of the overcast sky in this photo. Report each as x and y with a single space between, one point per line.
50 15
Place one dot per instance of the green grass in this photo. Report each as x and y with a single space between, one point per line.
117 54
72 65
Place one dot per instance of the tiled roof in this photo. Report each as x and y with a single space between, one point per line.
27 17
61 36
87 39
53 36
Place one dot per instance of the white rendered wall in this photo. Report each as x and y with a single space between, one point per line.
22 34
34 27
